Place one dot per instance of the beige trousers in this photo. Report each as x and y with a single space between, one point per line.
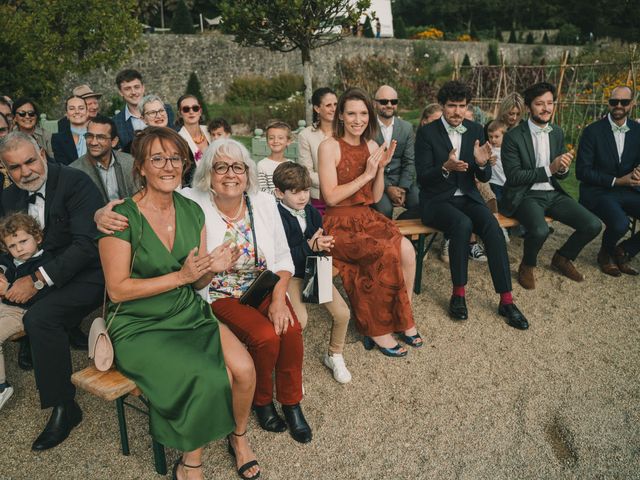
10 324
337 308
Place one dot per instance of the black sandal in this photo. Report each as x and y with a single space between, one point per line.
247 465
180 462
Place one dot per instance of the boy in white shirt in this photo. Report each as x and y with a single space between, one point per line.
496 131
278 139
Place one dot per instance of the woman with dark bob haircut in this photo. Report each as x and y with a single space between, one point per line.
198 377
376 263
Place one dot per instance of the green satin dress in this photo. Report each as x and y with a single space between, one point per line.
169 344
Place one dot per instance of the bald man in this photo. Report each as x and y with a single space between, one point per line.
401 189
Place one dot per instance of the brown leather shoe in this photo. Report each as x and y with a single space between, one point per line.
566 267
607 265
622 258
526 278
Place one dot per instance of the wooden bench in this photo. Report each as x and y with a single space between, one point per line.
113 386
417 232
17 336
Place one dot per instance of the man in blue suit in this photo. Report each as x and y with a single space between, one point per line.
608 166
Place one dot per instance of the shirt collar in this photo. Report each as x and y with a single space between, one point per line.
291 210
113 160
382 125
128 114
17 262
535 128
614 124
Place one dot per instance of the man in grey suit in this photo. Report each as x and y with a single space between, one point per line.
400 185
110 170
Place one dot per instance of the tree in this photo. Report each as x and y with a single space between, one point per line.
182 21
61 38
288 25
512 36
492 54
399 28
529 40
194 88
545 38
466 61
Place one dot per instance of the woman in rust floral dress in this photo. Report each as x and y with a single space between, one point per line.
376 263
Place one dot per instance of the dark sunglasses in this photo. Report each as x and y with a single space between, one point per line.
619 101
30 114
386 101
194 109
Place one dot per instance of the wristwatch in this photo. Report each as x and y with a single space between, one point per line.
37 283
445 172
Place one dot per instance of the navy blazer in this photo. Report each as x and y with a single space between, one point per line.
64 148
297 239
27 268
71 199
432 151
598 164
125 128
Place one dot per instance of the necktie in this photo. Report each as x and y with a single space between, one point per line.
620 129
34 196
298 213
460 129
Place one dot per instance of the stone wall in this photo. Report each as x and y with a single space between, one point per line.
166 61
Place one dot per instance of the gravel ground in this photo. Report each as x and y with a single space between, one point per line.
479 401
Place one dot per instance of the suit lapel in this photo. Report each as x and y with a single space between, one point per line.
445 136
50 192
528 143
466 144
607 133
122 190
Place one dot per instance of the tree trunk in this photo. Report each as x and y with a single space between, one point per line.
307 71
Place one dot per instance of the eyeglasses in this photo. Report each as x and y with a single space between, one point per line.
155 113
387 101
193 108
100 138
158 161
221 168
619 101
29 113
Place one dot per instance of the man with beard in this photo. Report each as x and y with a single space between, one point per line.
534 158
63 200
608 166
400 189
450 154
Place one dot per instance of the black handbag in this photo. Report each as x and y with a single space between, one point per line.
263 285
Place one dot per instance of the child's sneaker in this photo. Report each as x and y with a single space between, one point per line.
5 394
444 250
476 252
336 363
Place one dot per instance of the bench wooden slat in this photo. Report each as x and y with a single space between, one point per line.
108 385
414 226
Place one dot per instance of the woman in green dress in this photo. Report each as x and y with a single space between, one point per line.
198 377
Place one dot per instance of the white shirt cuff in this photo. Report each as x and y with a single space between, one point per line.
613 182
548 170
46 277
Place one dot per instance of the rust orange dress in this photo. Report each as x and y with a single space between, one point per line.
367 253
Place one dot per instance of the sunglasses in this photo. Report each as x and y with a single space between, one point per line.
625 102
386 101
194 109
29 114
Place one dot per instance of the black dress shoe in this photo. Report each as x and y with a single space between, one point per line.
77 339
63 419
458 308
514 317
298 426
269 419
24 354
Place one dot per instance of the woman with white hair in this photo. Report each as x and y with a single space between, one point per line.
153 111
226 188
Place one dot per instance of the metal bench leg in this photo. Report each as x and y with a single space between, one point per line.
421 252
159 458
122 423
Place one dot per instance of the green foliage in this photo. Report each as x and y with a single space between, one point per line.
115 104
182 21
512 36
466 61
368 28
194 88
499 35
568 34
537 54
529 39
43 40
493 54
399 28
258 115
545 39
256 89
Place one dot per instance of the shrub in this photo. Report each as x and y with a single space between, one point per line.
499 35
493 54
368 28
256 89
529 39
466 61
512 37
182 21
399 27
431 33
545 38
194 88
285 85
568 34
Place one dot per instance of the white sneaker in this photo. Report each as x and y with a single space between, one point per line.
476 252
5 395
444 250
335 362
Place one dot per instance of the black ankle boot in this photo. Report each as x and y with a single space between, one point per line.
24 354
63 419
298 426
269 419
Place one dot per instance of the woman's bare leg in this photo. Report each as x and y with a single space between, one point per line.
189 460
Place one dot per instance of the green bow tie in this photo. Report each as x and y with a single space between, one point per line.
622 129
546 129
298 213
460 129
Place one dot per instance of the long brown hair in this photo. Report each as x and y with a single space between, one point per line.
355 94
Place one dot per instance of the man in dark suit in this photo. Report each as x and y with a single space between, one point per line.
129 119
400 188
63 200
534 157
450 154
608 167
110 170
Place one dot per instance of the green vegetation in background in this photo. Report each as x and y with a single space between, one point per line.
182 21
194 88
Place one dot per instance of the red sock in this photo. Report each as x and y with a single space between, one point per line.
458 290
506 298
